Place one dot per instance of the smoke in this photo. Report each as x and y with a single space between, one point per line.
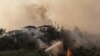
68 13
15 14
85 39
50 40
55 48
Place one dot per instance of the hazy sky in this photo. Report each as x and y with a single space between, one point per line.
84 14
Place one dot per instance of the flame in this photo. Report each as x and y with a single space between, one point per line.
68 52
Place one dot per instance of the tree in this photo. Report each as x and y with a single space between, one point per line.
2 31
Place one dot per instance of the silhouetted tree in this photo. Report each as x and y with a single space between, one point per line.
2 31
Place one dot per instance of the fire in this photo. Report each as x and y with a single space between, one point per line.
68 52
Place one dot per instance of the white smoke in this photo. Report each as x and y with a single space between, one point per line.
56 48
84 39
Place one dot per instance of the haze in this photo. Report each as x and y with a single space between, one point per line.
84 14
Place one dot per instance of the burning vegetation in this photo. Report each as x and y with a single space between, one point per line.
47 40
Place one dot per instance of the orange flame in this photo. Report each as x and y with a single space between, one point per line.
68 52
